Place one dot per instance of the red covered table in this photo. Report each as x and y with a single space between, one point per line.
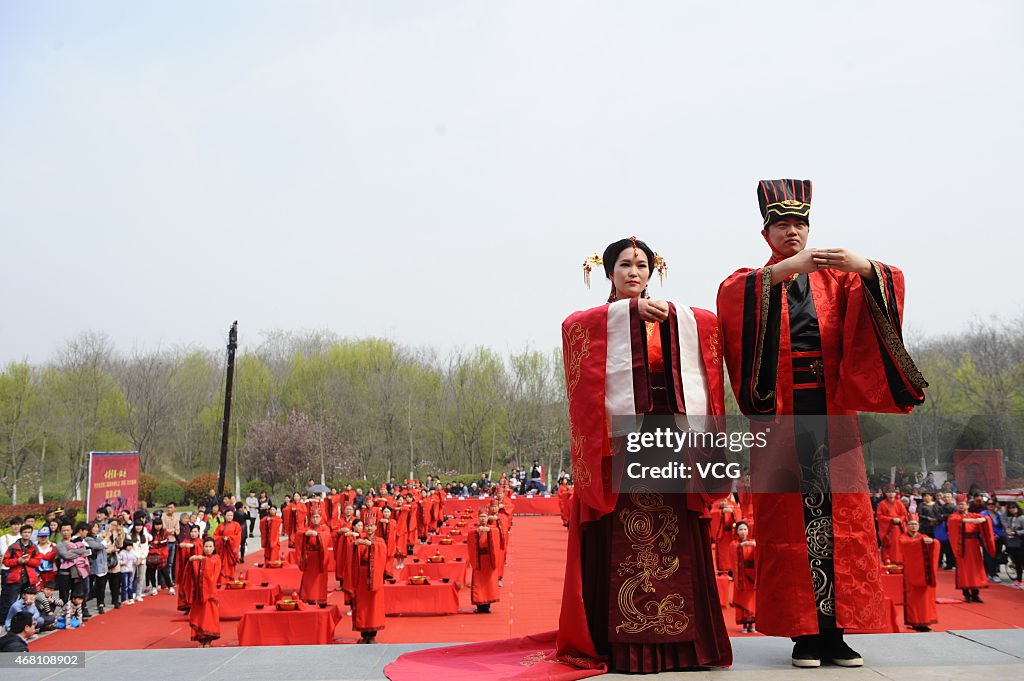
522 505
288 577
892 587
309 625
535 505
456 505
435 572
450 553
435 539
429 599
236 602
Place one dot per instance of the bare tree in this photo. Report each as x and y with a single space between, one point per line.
146 381
89 401
17 392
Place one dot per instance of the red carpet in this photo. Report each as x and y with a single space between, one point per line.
530 602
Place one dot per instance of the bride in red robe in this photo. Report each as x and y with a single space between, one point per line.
204 615
343 543
187 547
564 495
366 572
228 536
640 593
814 333
744 589
270 535
313 560
387 529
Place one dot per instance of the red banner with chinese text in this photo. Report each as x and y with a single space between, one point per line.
113 480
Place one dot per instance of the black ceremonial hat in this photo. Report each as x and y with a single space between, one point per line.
780 199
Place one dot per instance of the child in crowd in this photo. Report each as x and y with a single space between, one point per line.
49 604
74 611
126 562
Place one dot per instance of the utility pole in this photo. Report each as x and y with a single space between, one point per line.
232 345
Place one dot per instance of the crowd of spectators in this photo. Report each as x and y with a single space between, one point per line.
934 504
61 574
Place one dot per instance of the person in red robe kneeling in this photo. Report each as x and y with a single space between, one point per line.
891 516
486 559
920 562
366 569
228 538
270 535
204 615
313 561
744 590
969 534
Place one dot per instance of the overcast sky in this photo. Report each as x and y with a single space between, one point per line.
436 172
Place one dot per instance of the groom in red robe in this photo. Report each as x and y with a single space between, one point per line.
920 564
486 558
891 515
313 561
814 333
970 534
366 579
270 535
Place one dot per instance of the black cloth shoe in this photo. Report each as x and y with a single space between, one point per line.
976 595
841 654
807 651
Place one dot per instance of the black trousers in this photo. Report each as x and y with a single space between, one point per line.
98 588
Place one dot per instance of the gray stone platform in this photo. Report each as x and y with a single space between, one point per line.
981 655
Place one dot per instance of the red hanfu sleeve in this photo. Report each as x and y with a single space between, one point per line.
954 525
584 347
378 561
324 537
880 377
209 569
749 312
988 537
920 561
288 517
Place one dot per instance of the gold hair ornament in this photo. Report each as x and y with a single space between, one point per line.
590 263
